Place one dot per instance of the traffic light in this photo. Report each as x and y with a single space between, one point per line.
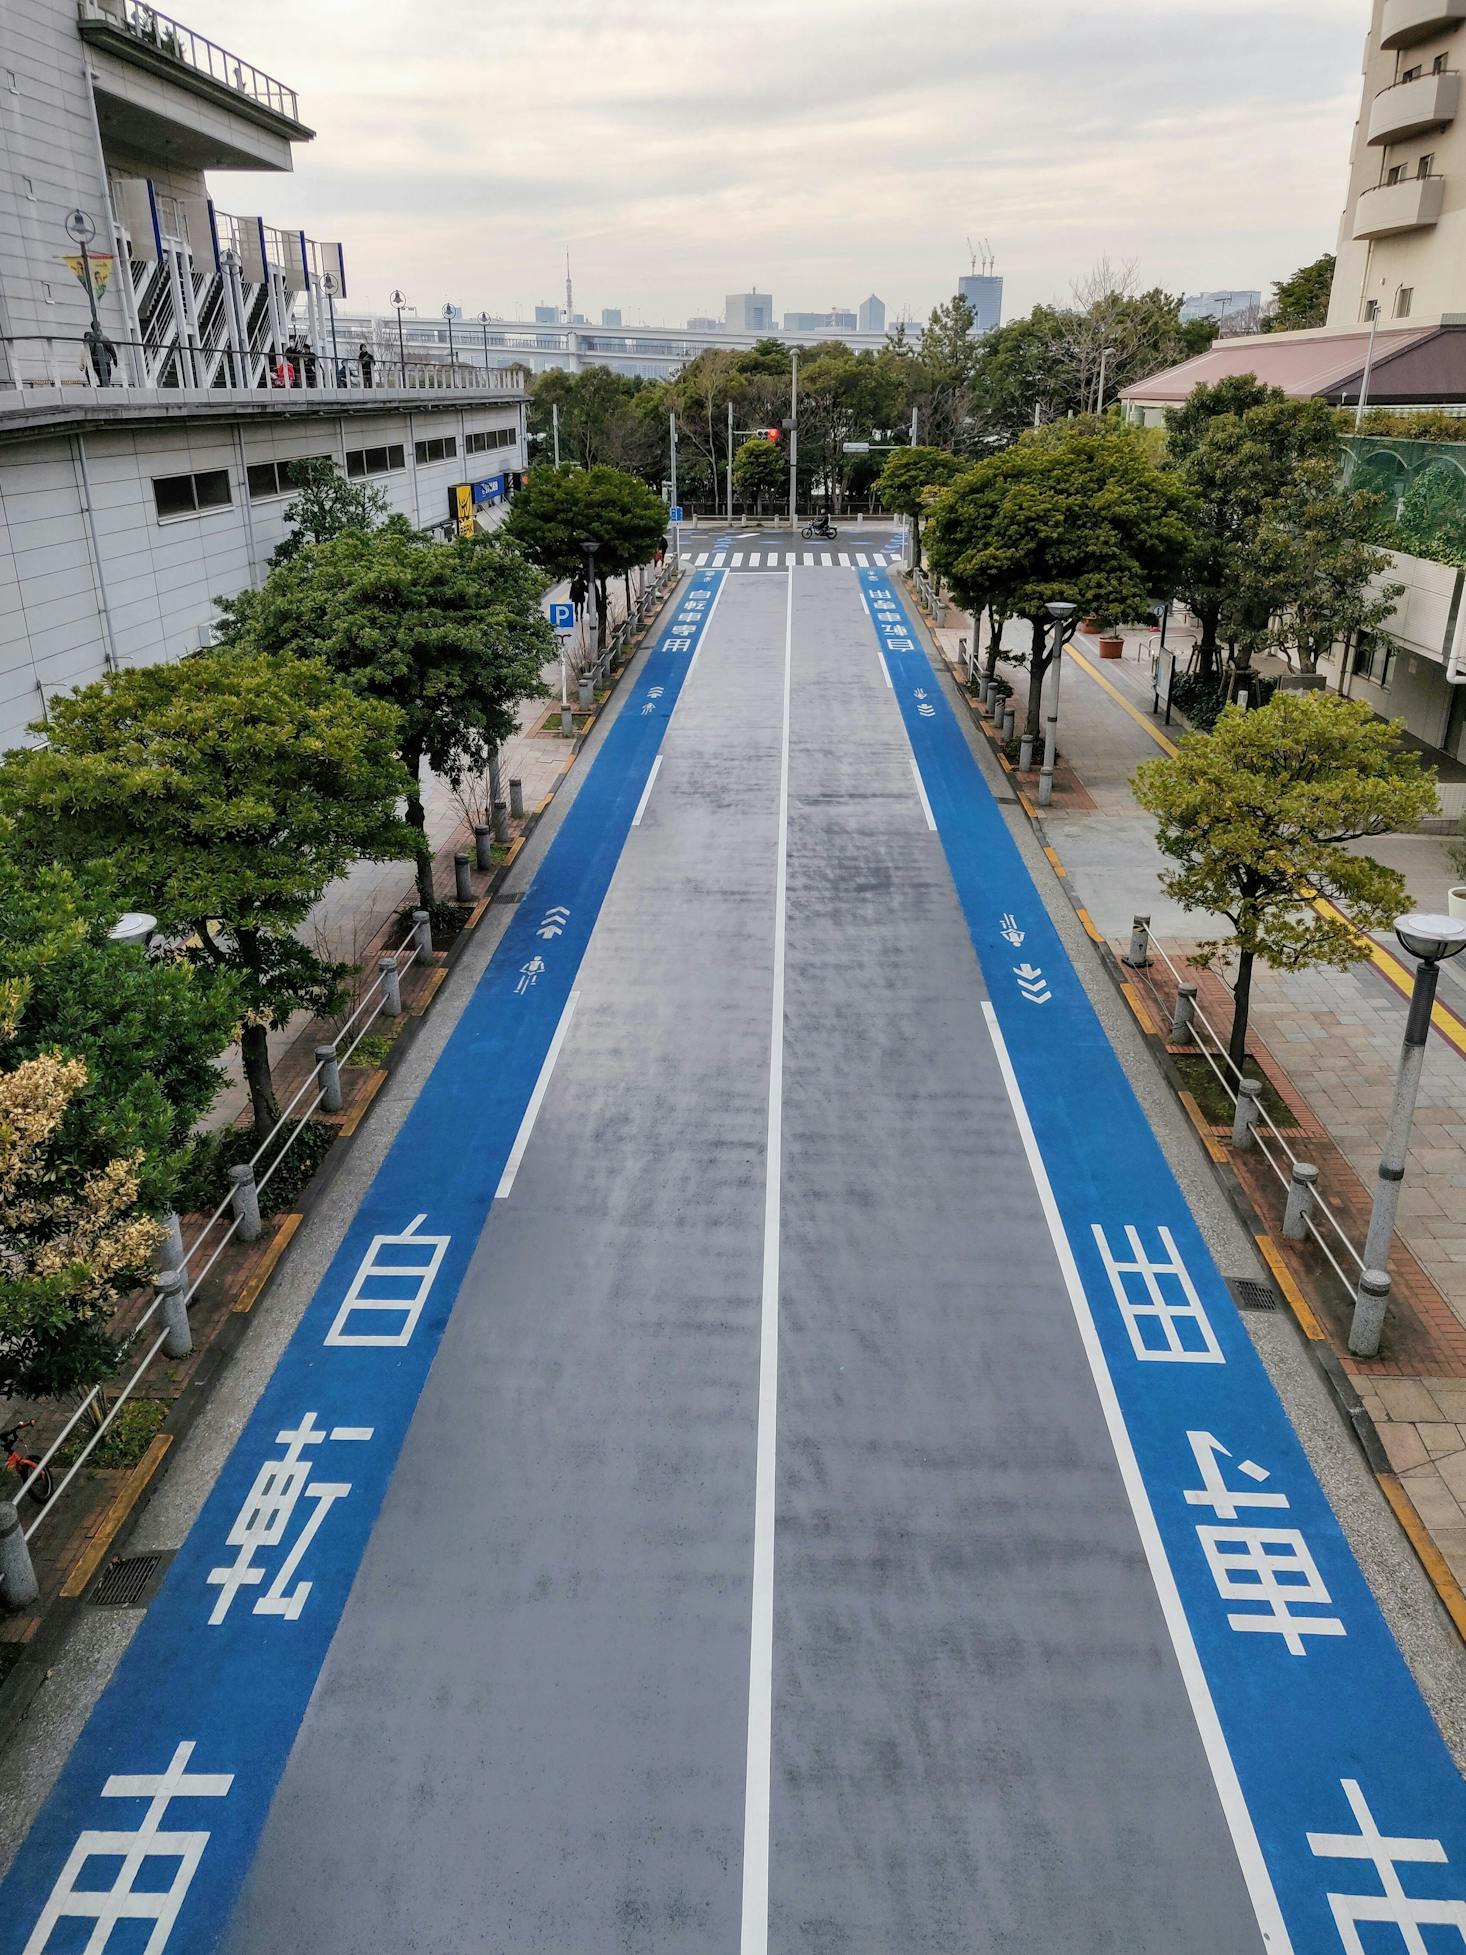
773 434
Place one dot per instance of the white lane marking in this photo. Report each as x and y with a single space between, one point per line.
861 557
531 1112
720 559
702 638
879 557
809 556
646 793
737 560
755 558
1224 1772
926 806
756 1797
702 559
887 670
746 532
865 604
825 559
844 559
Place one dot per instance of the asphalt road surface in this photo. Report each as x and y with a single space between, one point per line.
818 1513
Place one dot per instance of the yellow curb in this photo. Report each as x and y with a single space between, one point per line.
91 1557
249 1296
475 915
1055 863
1297 1302
1027 806
1088 921
434 980
518 843
354 1119
1137 1005
1431 1559
1199 1121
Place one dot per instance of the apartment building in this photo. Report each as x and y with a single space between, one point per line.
143 478
1402 238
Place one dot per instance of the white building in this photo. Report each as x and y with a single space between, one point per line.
126 509
749 312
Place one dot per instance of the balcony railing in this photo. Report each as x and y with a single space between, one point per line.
1410 204
170 38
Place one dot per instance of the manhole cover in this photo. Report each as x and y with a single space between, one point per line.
1255 1296
129 1580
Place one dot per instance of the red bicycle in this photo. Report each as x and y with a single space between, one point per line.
24 1465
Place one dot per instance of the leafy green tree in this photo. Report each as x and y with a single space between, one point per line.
1081 516
73 1234
1237 446
226 793
908 477
605 418
450 636
327 505
560 508
1256 816
147 1027
1311 573
1302 300
761 471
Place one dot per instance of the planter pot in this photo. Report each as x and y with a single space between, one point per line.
1090 627
1456 901
1111 645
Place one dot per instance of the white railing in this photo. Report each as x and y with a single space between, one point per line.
203 1248
150 29
1279 1156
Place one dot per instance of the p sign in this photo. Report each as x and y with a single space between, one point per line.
675 513
562 617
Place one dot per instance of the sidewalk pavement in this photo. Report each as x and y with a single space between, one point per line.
1330 1043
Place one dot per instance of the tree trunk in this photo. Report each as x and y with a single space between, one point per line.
416 817
1207 648
1241 1007
1038 666
995 642
916 544
603 602
254 1051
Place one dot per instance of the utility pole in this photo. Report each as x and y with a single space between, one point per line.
794 439
676 527
555 428
730 462
1368 369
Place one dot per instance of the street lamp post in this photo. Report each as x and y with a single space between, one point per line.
589 546
676 527
1431 939
331 285
1105 353
397 300
1061 614
483 320
794 438
452 349
81 230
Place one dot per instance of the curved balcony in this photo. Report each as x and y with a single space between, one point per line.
1412 107
1409 205
1408 21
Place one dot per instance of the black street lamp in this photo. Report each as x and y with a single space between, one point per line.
452 350
397 300
590 546
483 320
81 230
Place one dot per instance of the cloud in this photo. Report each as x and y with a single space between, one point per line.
821 149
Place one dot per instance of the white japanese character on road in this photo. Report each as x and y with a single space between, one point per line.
408 1279
265 1519
1393 1906
1163 1315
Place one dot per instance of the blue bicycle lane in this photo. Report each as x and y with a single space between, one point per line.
1347 1811
151 1827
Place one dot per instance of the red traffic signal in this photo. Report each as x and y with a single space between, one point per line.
773 434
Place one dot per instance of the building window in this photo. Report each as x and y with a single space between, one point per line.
1425 165
267 479
1371 310
1404 299
1374 659
191 495
489 438
1438 66
1412 74
442 448
376 461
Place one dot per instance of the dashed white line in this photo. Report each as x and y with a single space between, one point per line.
531 1112
865 606
887 670
646 793
926 806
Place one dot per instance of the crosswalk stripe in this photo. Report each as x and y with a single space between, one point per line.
861 557
702 559
825 558
755 558
791 557
807 556
737 560
720 559
879 557
844 560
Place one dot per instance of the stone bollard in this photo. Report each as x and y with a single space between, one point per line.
501 823
1182 1016
170 1249
244 1199
483 846
587 692
982 692
1138 955
1302 1191
330 1067
18 1584
391 987
462 877
516 799
1248 1108
1371 1301
1025 753
178 1341
422 933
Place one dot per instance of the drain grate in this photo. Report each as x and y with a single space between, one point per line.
1255 1296
129 1580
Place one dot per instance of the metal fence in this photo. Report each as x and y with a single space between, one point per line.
155 30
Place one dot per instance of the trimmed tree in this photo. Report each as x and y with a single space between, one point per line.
450 636
761 471
1302 300
908 476
559 508
1311 572
327 504
1256 814
225 793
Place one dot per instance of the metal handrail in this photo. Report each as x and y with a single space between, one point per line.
194 50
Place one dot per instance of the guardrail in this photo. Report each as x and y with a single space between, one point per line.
176 1286
151 29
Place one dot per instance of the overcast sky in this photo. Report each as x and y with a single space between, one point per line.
818 149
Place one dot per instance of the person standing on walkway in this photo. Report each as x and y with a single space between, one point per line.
366 363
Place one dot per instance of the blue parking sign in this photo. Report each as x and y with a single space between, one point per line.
562 617
675 513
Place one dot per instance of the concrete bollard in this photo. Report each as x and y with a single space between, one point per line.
330 1067
174 1311
483 845
1182 1016
1371 1301
1302 1190
18 1584
501 823
516 799
391 987
1248 1108
1006 728
983 690
1025 753
1138 955
422 933
567 723
462 877
170 1249
587 693
244 1199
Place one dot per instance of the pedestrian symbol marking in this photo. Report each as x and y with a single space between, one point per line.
408 1282
266 1517
107 1907
1179 1322
1393 1906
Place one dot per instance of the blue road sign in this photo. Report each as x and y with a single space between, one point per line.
675 513
562 617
